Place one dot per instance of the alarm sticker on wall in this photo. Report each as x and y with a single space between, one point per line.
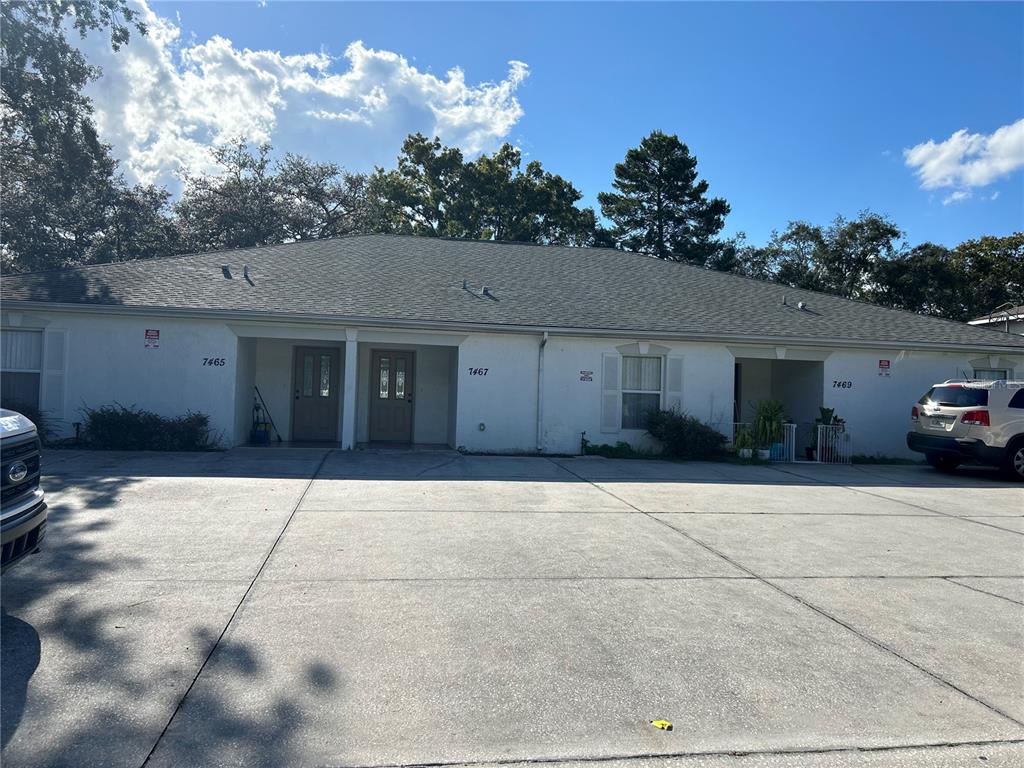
152 338
586 375
883 368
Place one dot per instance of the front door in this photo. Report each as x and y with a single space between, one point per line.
315 406
391 388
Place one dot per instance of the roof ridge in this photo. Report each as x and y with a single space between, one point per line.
194 254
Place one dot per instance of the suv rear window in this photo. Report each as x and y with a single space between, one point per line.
957 397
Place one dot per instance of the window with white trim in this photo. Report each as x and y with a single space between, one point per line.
990 374
641 389
21 364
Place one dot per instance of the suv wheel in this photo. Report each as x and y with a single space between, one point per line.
1013 462
942 462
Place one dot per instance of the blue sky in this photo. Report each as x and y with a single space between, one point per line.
794 110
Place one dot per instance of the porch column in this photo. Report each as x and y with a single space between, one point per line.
348 392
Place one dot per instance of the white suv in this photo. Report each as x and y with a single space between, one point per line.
961 420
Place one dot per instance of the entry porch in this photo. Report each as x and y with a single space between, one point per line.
345 387
798 385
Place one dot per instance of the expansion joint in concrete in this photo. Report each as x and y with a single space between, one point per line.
806 603
234 613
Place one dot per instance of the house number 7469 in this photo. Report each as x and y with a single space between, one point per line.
478 371
842 385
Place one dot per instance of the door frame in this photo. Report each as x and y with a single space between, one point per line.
337 380
374 352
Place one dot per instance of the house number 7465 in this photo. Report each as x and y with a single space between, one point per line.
478 371
214 361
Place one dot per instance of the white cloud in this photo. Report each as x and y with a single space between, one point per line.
161 102
957 196
967 160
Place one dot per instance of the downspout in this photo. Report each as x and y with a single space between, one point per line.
540 392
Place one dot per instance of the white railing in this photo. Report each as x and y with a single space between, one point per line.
784 451
835 444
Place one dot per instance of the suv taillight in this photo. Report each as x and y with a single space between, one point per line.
914 413
977 418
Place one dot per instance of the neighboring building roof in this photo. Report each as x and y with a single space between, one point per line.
1013 314
419 280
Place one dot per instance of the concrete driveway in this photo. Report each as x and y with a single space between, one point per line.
286 606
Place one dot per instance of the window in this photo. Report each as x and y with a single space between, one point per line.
1017 401
956 396
399 378
385 374
641 390
990 374
325 375
20 367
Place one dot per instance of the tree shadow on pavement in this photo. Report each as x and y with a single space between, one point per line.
96 659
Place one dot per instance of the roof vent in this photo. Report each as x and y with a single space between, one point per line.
801 305
226 270
486 291
245 273
465 284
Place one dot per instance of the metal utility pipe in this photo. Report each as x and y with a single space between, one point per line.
540 392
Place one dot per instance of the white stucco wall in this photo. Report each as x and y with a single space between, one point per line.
504 399
461 382
877 408
755 385
274 360
107 361
573 405
245 369
798 385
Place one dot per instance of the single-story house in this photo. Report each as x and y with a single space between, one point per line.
490 347
1006 319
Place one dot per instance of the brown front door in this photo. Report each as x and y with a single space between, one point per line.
315 405
391 388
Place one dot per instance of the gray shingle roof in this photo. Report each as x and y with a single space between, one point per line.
404 278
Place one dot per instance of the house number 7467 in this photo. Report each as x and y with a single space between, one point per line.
478 371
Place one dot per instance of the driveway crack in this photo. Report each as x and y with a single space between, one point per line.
234 613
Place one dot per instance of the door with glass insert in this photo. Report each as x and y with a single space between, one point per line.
315 394
391 395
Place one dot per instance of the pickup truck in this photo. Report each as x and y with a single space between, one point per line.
22 508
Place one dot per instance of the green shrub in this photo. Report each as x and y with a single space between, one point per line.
120 428
744 439
685 437
768 415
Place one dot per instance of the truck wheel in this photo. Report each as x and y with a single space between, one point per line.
942 462
1013 461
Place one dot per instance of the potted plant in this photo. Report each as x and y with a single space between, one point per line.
768 416
744 443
